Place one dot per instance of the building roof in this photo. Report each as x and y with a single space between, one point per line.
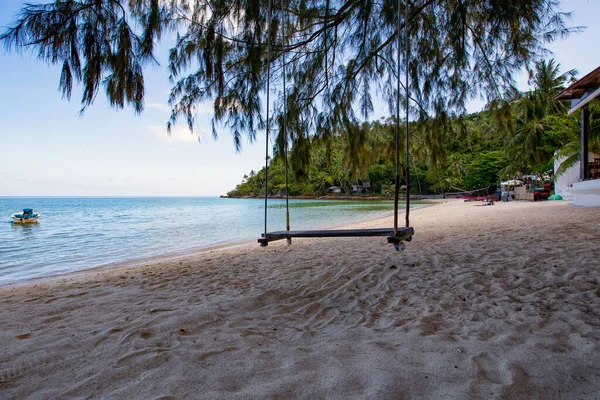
588 83
582 92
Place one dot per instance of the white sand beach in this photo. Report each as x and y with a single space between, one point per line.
486 302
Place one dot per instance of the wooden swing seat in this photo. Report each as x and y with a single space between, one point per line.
403 234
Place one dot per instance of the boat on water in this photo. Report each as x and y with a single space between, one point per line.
28 216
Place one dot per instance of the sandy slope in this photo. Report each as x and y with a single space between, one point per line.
486 302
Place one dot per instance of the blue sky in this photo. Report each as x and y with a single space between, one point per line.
47 149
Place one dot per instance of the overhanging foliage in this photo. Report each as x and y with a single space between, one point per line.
339 54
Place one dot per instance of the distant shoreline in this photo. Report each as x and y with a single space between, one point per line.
344 197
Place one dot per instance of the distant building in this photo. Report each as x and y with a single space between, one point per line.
585 188
363 188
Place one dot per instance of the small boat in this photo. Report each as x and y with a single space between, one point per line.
26 217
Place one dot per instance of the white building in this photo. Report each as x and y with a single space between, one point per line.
582 185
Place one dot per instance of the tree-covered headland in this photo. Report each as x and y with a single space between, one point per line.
336 56
479 150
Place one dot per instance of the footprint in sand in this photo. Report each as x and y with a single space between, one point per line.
23 336
206 355
488 369
146 335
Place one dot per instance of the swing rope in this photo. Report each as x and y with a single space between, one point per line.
406 59
284 121
407 151
268 113
397 176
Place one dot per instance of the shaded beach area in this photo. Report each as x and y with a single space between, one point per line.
499 301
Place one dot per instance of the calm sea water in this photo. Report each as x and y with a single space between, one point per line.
78 233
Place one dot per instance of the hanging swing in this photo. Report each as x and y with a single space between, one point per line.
396 235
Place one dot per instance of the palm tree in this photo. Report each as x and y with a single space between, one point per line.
548 81
529 145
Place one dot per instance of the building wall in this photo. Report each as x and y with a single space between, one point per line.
586 193
566 180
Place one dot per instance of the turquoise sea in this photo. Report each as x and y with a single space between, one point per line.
78 233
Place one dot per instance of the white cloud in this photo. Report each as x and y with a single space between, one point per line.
159 106
178 134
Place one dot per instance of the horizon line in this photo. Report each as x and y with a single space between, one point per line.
112 197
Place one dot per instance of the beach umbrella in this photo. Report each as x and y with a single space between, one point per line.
512 182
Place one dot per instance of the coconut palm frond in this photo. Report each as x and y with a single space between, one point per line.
567 163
